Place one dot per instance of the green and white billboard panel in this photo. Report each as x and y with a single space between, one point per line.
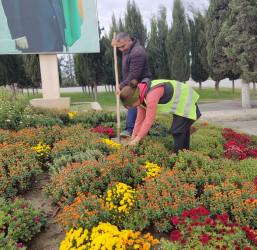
48 26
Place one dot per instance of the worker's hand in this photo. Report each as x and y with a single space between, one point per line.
113 42
117 92
133 142
133 137
22 43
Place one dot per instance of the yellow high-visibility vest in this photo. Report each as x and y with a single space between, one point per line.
182 102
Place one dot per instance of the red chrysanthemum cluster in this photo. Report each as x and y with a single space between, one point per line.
103 130
238 146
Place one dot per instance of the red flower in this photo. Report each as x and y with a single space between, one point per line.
175 220
231 231
223 231
247 248
205 238
214 223
195 217
175 235
250 236
185 214
208 221
183 242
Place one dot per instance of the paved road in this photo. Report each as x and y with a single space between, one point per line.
232 115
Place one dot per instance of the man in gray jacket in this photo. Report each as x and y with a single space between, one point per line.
134 66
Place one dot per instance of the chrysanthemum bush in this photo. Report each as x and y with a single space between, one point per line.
94 177
77 139
18 164
19 222
239 202
238 146
107 236
119 200
195 228
207 140
165 196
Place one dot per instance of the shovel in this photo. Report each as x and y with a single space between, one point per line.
117 140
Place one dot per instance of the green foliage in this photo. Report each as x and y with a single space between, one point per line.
178 44
19 220
12 109
247 167
157 56
134 25
208 141
240 30
79 157
198 73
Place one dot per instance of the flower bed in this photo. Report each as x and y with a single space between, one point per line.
111 191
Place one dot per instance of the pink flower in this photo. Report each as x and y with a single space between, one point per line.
24 205
37 219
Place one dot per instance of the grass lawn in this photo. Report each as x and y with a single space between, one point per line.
107 100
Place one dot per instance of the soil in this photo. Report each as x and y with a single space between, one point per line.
51 235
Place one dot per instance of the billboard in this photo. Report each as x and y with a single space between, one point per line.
48 26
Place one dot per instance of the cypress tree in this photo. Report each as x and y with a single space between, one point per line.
198 72
134 23
178 44
241 36
157 56
218 61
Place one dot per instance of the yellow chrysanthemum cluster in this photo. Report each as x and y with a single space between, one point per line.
41 149
120 198
72 114
107 237
111 143
152 169
75 239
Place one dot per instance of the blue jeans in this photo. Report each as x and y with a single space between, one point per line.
131 119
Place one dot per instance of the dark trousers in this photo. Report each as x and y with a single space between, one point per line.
181 141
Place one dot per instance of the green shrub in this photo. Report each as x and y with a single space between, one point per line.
19 220
163 197
208 142
12 109
246 167
65 160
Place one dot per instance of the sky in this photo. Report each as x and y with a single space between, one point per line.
148 8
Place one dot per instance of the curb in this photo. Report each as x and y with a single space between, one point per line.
230 115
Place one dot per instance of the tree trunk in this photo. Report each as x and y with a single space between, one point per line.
92 91
217 88
254 88
246 99
95 91
200 88
105 87
14 91
233 86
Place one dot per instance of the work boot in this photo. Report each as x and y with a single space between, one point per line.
125 134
